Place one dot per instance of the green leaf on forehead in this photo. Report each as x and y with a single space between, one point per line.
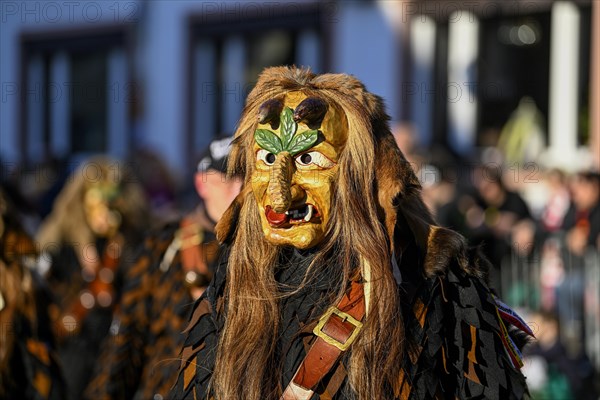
268 140
303 141
288 126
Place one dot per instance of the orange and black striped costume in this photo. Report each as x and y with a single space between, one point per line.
140 358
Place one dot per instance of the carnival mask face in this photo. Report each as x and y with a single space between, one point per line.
102 219
297 147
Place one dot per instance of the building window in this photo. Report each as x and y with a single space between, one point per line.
514 64
228 54
88 111
75 101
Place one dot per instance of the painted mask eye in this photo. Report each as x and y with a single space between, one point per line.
266 157
313 158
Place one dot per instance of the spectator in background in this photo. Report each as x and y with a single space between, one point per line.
552 373
141 358
19 186
28 366
159 185
493 215
445 191
558 201
522 137
548 237
581 227
582 221
95 222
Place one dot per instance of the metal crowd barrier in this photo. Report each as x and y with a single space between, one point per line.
592 306
576 298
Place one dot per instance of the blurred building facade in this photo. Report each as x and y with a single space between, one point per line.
111 76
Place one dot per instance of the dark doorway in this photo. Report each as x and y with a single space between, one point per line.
514 62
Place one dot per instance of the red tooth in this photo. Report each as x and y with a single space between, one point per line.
275 219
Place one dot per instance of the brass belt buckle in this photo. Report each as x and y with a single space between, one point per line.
345 317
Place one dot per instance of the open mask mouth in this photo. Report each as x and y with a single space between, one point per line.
294 216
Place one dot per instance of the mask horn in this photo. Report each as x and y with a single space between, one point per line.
269 112
311 111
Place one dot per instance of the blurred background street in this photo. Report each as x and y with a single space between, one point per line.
495 103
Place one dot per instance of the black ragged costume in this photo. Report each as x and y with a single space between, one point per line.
453 342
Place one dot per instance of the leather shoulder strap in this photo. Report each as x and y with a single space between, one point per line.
336 331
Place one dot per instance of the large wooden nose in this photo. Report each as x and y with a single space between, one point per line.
280 183
297 195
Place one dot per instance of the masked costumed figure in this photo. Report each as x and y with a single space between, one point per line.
336 282
89 236
28 366
139 360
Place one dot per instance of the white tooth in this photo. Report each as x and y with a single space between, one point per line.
309 213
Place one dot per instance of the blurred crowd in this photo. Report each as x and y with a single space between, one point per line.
540 228
101 262
99 270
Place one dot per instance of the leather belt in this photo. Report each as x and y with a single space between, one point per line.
336 331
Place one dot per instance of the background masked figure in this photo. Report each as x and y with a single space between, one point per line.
28 366
95 222
336 282
139 358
